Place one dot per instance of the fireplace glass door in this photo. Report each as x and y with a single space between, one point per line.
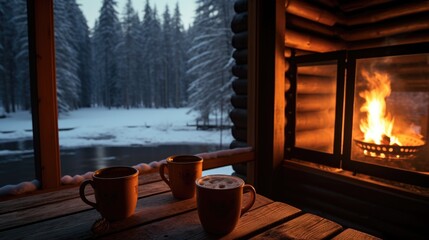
365 111
314 108
389 114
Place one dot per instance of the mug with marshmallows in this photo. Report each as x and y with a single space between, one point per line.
219 202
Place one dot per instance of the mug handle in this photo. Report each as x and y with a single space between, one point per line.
251 189
82 193
161 172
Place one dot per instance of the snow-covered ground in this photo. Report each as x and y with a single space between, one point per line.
118 127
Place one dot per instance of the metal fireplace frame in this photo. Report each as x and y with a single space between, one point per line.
342 151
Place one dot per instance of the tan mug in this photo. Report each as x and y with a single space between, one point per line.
219 202
116 192
183 170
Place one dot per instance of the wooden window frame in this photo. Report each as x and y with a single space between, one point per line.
43 90
266 92
44 99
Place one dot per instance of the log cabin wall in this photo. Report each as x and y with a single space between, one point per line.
238 115
320 26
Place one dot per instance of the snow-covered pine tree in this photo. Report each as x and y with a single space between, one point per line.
129 58
211 59
7 54
68 84
179 55
20 46
82 44
105 46
167 84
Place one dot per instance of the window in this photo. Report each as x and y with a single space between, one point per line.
16 131
67 87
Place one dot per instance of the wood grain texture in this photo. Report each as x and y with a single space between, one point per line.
62 208
78 225
354 234
307 226
170 227
33 200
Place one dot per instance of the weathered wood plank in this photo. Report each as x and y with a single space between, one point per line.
78 225
57 209
34 200
221 161
262 214
354 234
307 226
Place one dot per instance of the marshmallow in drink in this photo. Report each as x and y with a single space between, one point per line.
220 182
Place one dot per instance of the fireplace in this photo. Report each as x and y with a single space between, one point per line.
366 111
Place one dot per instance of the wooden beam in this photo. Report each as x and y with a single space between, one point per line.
46 125
405 8
242 157
311 42
266 90
311 12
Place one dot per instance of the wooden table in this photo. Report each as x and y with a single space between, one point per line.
63 215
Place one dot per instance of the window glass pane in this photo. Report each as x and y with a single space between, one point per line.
138 81
16 135
315 106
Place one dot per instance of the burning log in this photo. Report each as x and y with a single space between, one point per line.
315 120
310 84
315 102
310 42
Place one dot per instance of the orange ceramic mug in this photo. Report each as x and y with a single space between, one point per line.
219 202
116 192
183 170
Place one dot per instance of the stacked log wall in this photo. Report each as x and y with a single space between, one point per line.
238 114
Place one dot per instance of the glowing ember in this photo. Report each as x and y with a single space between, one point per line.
378 125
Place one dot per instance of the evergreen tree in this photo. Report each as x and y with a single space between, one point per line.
179 65
167 84
20 47
82 44
129 63
106 39
151 57
211 58
66 57
7 63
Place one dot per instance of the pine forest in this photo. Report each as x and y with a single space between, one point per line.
127 60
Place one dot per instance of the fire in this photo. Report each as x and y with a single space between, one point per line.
378 125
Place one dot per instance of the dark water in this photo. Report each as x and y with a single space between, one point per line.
15 168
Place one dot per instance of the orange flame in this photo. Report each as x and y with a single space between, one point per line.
378 125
